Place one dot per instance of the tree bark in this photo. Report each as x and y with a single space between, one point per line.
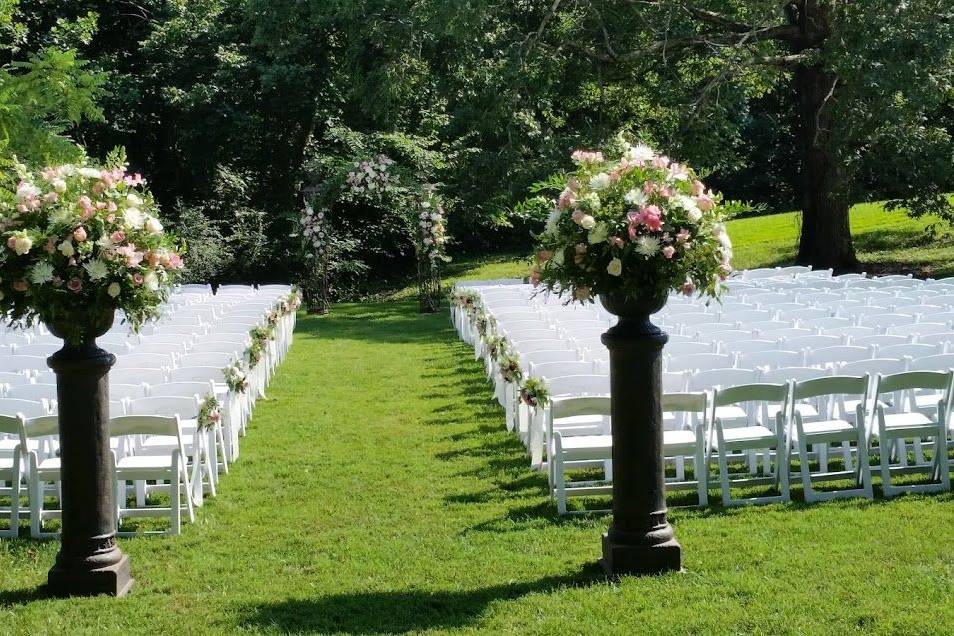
826 231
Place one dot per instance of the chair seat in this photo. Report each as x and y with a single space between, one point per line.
144 461
908 421
579 425
587 447
679 438
48 464
6 464
826 430
747 435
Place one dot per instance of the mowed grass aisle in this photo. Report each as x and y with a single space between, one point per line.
378 492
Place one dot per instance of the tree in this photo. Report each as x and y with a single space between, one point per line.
860 75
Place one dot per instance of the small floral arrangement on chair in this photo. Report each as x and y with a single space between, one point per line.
235 378
497 347
210 413
481 322
509 366
77 243
534 392
636 224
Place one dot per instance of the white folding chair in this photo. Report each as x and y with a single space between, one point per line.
687 438
757 433
11 473
836 427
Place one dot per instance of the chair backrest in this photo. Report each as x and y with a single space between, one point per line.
907 350
700 362
561 369
836 355
831 385
195 374
873 367
786 332
180 389
770 359
697 402
824 325
553 355
725 336
218 360
529 346
851 333
40 349
13 379
184 407
674 381
136 375
883 321
10 424
206 346
811 342
573 406
579 385
27 408
34 392
789 374
40 426
937 380
145 425
749 346
919 329
706 380
535 333
762 392
687 348
144 361
938 362
747 315
18 364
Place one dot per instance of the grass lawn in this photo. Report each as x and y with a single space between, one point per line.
885 242
378 492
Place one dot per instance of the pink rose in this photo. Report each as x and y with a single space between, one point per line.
682 236
20 285
705 202
649 187
110 218
111 207
137 279
697 188
85 202
662 161
535 278
79 234
175 261
581 293
51 197
118 236
577 216
581 248
74 285
152 258
669 251
688 288
544 255
616 241
11 242
99 187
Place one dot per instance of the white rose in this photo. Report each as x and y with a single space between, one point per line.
59 185
151 281
134 218
615 267
635 197
27 191
694 214
66 248
153 226
22 245
89 173
133 201
113 290
587 222
600 181
641 154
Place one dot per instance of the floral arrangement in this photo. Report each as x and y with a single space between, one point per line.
209 413
78 241
260 337
432 238
235 378
371 175
509 366
534 392
466 299
481 321
313 230
638 224
496 347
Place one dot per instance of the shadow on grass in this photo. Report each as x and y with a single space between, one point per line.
400 611
392 322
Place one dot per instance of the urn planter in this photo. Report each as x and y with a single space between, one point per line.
640 539
89 561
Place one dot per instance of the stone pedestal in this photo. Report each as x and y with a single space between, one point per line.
89 561
640 539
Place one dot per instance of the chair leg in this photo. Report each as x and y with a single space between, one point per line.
885 446
35 493
702 476
175 511
559 476
724 476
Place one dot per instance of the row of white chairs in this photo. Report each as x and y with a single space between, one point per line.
156 441
555 342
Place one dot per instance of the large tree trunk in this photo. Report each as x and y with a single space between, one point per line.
826 233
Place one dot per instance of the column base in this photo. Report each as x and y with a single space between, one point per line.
623 558
112 580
